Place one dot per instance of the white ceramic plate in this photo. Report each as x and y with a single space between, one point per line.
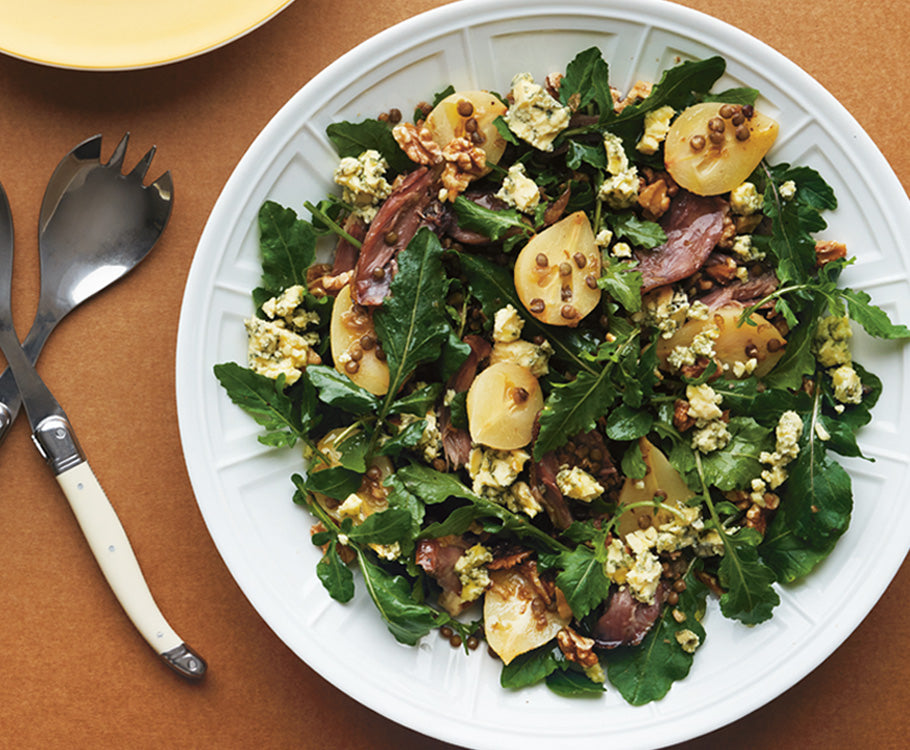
244 491
127 34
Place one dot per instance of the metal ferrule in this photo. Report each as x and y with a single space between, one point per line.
6 419
57 443
187 662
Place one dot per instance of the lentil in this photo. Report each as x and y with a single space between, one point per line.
716 125
697 142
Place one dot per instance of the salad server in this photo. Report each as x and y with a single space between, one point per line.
81 255
56 441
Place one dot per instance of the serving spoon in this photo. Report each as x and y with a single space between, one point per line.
81 253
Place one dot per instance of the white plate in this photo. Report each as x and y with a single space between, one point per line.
244 490
127 34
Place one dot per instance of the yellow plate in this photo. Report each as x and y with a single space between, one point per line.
125 34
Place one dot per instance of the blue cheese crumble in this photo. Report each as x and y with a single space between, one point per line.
744 249
280 345
519 191
787 433
472 572
363 182
832 341
702 346
495 474
848 387
429 447
687 640
620 189
832 350
578 484
508 346
507 325
711 431
535 116
745 199
657 125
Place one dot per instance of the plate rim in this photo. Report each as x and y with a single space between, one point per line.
443 15
47 58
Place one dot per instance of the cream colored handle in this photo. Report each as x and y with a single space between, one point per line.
112 550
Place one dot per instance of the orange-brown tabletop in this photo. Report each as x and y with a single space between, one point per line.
74 672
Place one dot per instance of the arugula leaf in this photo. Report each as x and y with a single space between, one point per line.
288 248
401 498
489 222
529 668
385 527
798 359
264 399
353 138
582 579
633 462
411 322
586 153
340 391
818 493
587 80
576 406
504 131
749 596
405 618
572 408
406 438
646 234
335 576
790 557
431 486
741 95
572 683
873 319
336 482
419 401
647 672
793 221
675 88
621 282
434 487
736 464
627 423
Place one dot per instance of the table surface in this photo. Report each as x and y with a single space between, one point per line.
73 670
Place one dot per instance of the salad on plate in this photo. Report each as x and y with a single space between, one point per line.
564 362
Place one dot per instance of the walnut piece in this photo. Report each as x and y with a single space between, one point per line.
576 647
682 421
464 162
641 90
654 200
321 283
721 268
829 250
417 143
